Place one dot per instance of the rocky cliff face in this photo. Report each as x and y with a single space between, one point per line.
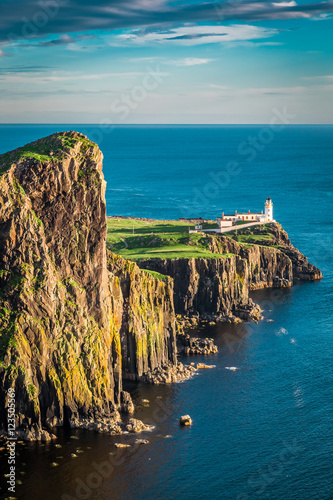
143 313
69 320
205 285
221 286
302 269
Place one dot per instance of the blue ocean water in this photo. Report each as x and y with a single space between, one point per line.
263 431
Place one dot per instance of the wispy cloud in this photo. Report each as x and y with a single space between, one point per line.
318 77
37 78
285 4
78 16
189 61
12 70
62 40
196 35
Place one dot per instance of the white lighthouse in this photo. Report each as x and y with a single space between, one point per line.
269 210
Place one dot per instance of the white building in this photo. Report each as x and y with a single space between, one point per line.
229 220
269 210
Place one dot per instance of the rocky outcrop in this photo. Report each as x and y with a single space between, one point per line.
301 268
58 348
268 266
205 285
168 374
196 346
143 313
219 287
70 320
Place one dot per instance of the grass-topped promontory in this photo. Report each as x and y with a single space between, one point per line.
137 239
45 150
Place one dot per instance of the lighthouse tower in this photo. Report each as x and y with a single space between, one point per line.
269 209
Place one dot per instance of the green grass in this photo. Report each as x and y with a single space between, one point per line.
41 150
157 239
253 238
156 275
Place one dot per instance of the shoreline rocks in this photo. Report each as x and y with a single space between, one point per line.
126 403
202 366
168 374
135 425
196 346
109 425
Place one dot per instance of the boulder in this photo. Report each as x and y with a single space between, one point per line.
185 420
135 425
126 403
202 366
142 441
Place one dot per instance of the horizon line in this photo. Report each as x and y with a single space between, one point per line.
123 125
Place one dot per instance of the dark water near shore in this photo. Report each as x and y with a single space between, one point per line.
263 431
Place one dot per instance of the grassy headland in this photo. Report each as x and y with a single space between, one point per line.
53 147
136 239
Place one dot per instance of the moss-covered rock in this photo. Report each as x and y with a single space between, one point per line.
58 345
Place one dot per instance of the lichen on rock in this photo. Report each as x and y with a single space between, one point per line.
56 345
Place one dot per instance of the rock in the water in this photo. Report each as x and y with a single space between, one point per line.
168 373
135 425
107 425
185 420
191 345
142 441
35 434
202 366
126 402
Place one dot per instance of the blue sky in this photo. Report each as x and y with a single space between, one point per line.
162 61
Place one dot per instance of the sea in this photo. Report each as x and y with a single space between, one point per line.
262 417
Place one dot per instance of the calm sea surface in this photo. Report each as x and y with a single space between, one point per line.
265 430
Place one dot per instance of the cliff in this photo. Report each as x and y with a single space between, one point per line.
205 285
144 316
221 286
70 321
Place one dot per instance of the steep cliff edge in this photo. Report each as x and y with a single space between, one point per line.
218 286
59 349
221 286
144 315
63 306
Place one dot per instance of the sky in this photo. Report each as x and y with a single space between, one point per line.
165 61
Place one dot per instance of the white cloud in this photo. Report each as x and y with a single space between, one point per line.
37 78
197 35
189 61
253 92
285 4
